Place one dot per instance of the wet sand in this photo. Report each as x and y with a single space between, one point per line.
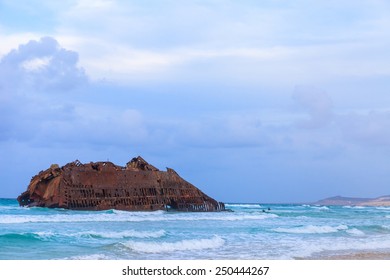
355 255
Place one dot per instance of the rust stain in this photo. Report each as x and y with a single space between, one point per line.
138 186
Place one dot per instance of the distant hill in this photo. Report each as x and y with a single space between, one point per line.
353 201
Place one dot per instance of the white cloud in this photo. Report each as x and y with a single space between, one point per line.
36 64
9 41
272 66
40 65
128 66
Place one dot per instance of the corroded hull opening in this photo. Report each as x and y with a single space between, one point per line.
138 186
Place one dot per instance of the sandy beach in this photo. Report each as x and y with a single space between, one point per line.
351 255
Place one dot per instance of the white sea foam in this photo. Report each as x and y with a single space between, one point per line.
298 246
355 232
184 245
90 257
354 207
45 234
239 217
108 234
130 233
13 208
304 248
386 208
123 216
302 217
321 208
243 205
311 229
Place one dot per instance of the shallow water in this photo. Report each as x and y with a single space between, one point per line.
284 232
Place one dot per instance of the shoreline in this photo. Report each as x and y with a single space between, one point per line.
350 255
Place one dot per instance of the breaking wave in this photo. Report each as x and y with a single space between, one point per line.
355 232
321 208
127 234
123 216
184 245
386 208
46 235
311 229
90 257
15 237
233 205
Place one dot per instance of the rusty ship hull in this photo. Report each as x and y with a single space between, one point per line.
138 186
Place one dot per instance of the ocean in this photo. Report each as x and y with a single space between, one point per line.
248 231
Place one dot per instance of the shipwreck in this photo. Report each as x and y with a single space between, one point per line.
138 186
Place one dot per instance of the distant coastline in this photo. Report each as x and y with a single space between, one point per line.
354 201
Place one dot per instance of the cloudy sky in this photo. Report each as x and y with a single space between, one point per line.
251 101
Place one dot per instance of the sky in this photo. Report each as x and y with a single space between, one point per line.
250 101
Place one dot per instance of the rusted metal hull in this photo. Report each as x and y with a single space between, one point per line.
103 185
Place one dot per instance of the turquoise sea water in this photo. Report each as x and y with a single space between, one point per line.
284 232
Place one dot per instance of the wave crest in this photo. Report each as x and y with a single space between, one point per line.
311 229
122 216
184 245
